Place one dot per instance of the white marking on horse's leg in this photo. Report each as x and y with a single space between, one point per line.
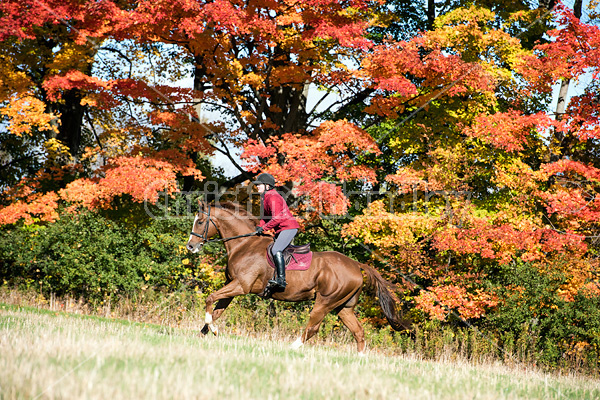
363 352
208 319
297 344
213 329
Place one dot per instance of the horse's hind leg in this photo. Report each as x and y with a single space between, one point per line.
323 306
349 319
314 322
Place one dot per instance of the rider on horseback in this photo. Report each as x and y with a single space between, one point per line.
276 216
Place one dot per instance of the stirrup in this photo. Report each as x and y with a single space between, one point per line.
276 284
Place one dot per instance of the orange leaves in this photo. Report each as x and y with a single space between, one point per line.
26 113
407 180
339 136
255 149
329 153
503 241
509 131
143 179
439 301
41 206
325 152
574 196
465 57
184 133
12 80
295 75
138 177
389 63
81 193
20 18
392 68
566 166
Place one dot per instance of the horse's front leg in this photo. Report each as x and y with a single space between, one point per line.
220 306
223 297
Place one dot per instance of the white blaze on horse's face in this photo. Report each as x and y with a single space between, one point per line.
191 247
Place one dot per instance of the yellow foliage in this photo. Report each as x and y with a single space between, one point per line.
71 56
594 7
11 81
57 152
26 113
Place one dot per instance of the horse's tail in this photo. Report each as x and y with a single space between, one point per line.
387 299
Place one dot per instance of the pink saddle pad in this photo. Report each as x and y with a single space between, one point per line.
298 262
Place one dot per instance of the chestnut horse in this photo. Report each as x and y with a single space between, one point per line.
333 280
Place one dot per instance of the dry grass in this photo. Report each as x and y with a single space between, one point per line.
57 355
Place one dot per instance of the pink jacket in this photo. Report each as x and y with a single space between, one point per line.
277 214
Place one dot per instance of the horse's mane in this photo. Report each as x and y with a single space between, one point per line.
237 209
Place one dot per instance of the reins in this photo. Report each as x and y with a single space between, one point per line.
222 239
204 235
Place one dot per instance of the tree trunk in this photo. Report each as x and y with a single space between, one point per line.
430 13
561 104
564 85
71 120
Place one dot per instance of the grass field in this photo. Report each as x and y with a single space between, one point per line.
52 355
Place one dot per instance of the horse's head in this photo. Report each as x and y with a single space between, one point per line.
204 228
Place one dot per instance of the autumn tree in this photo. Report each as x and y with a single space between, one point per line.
252 62
456 110
471 148
71 112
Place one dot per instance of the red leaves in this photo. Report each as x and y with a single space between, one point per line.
574 196
573 51
505 241
142 178
19 19
390 66
71 80
510 130
439 301
326 154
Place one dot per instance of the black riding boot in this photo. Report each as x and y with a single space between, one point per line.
279 282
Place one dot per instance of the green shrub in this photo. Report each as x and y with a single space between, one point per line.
91 256
538 325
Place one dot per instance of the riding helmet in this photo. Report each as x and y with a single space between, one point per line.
266 179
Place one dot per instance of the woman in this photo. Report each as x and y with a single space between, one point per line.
277 216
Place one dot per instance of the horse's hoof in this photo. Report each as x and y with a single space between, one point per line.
297 344
363 352
204 330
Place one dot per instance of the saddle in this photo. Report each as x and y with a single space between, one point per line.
296 257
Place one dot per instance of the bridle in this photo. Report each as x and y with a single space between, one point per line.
209 221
